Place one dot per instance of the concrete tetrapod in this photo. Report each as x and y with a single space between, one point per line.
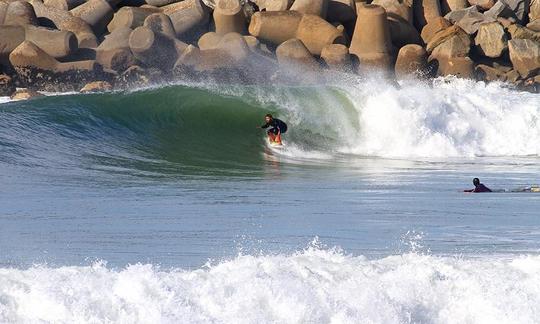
10 38
337 57
229 17
316 33
97 13
131 17
160 23
29 55
114 52
20 13
311 7
425 11
371 41
153 49
275 26
63 20
63 4
3 10
293 54
411 61
56 43
190 18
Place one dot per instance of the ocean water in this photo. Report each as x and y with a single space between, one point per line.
165 205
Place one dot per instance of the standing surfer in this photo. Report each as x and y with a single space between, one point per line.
277 127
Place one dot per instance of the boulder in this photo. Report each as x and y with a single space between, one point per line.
96 13
534 25
457 45
130 17
25 94
316 33
425 11
462 67
56 43
28 55
411 61
160 23
190 19
399 8
433 27
96 86
63 20
275 26
337 57
491 40
499 9
469 19
311 7
20 13
483 4
534 10
63 4
114 52
293 54
519 8
443 35
371 41
453 5
229 17
519 32
7 87
525 56
512 76
488 73
153 49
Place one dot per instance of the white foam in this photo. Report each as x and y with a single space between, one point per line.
311 286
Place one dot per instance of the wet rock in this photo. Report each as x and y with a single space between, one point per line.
525 56
488 73
513 76
96 86
411 61
491 40
25 94
7 87
462 67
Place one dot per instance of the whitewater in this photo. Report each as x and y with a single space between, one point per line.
166 205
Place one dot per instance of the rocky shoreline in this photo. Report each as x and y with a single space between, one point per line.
97 45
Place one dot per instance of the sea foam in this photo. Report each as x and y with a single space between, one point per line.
310 286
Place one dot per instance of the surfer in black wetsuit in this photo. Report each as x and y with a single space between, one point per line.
277 127
478 187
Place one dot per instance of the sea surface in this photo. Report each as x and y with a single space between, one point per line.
166 205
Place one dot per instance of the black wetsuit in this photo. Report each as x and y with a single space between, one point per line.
276 126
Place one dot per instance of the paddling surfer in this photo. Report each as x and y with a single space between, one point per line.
277 127
478 187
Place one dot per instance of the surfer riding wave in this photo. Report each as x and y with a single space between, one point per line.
277 127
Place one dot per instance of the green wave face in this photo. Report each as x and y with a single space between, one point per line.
175 129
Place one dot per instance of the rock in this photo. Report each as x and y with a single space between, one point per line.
3 10
25 94
462 67
190 19
28 55
6 85
411 61
491 40
274 5
63 4
342 11
425 11
229 17
534 10
96 86
457 45
275 26
398 8
472 22
160 23
519 8
20 13
499 9
525 56
161 3
443 35
96 13
56 43
488 73
337 57
63 20
457 15
114 52
434 26
534 25
316 33
519 32
311 7
371 41
453 5
512 76
130 17
153 49
483 4
10 38
292 54
132 77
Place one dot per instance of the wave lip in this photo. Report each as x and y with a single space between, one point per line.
310 286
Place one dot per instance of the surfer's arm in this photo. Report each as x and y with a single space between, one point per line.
468 190
265 126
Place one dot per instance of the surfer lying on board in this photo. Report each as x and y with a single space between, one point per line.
478 187
277 127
